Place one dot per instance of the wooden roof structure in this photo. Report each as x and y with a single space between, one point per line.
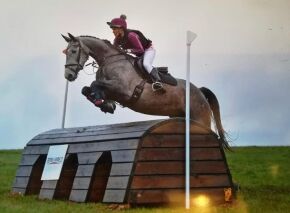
137 163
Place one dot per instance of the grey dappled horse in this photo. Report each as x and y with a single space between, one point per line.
118 79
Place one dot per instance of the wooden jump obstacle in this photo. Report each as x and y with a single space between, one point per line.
136 163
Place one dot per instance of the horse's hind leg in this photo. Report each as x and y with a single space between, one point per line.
203 120
201 114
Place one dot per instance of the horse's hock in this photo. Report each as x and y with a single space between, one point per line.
136 163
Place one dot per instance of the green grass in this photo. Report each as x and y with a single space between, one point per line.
263 174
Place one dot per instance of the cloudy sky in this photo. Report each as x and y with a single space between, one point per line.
242 53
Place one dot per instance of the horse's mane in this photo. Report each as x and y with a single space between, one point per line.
88 36
104 40
107 42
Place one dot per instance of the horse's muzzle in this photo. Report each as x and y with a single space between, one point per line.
69 75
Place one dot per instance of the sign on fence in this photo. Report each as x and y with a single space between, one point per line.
54 162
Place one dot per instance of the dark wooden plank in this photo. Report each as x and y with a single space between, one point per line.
156 154
138 124
178 126
85 170
178 181
121 169
89 158
178 167
49 184
165 167
175 196
32 150
208 167
24 171
123 156
118 182
78 195
104 146
21 182
72 140
114 196
80 133
157 140
81 183
28 160
46 194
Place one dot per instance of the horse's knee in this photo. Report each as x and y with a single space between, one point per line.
94 85
97 90
86 91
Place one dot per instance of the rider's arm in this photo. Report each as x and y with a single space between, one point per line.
137 47
115 43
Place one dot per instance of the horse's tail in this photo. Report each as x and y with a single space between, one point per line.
214 105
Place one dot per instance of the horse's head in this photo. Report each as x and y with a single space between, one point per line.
76 56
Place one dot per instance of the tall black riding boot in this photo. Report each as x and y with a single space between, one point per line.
157 85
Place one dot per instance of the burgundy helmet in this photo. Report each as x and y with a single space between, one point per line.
118 22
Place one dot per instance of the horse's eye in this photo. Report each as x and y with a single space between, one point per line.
73 51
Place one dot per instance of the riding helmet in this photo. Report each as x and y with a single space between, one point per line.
118 22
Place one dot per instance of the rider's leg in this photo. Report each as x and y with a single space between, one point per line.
149 56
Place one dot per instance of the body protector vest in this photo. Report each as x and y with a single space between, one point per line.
146 43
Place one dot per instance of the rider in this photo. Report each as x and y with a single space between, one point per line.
133 41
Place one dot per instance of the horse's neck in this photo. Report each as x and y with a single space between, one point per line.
118 76
99 49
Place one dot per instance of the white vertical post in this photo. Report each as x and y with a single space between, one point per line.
190 36
64 105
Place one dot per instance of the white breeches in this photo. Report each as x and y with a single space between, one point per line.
149 56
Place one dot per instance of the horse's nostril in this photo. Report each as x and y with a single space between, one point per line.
70 76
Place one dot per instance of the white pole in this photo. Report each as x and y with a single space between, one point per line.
64 105
189 39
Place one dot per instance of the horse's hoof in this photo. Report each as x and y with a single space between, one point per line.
108 107
157 86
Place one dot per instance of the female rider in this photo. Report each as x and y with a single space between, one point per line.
133 41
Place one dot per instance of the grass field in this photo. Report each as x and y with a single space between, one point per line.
263 174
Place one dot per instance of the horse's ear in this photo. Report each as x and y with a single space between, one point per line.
66 38
72 37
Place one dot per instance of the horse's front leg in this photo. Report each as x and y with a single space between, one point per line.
95 94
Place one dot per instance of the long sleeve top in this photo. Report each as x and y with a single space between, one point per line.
132 42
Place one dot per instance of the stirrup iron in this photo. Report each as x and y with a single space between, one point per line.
157 86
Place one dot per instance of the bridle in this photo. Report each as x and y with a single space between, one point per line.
102 63
78 65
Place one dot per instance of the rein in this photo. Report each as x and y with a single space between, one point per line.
105 59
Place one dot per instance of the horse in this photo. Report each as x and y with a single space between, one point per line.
118 80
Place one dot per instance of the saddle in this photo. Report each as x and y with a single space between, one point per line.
165 76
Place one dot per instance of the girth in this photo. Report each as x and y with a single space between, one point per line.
136 93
